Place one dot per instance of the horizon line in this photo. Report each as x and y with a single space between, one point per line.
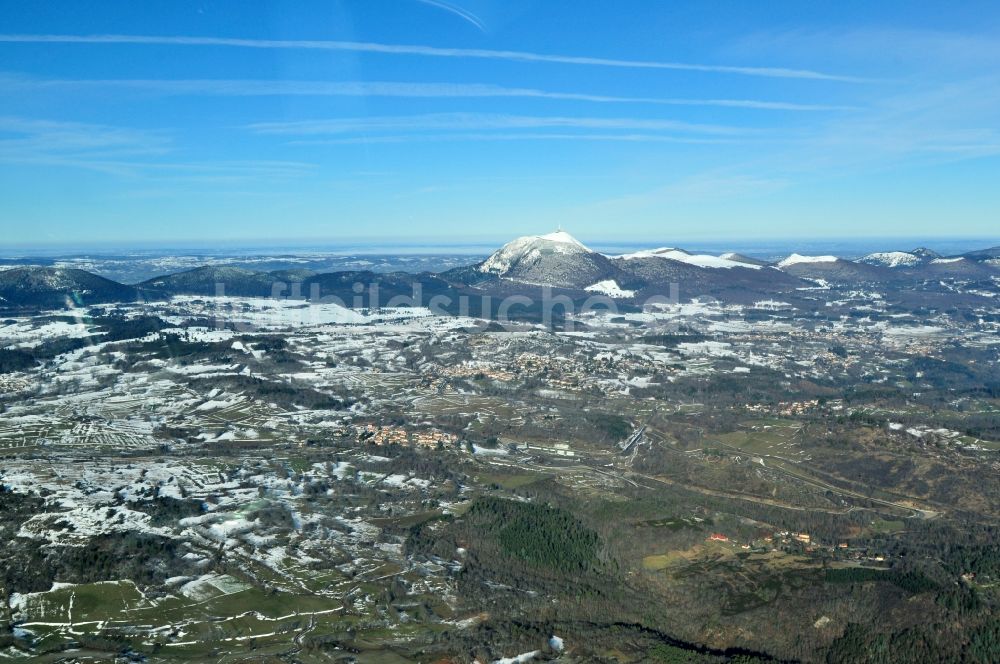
267 246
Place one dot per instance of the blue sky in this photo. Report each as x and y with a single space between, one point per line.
134 122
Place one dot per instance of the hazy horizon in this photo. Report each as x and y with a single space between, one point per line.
754 247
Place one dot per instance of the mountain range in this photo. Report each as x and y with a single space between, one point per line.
559 260
556 260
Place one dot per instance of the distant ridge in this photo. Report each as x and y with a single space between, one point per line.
59 287
555 259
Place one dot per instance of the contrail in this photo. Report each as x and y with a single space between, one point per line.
431 51
480 121
257 87
480 137
457 11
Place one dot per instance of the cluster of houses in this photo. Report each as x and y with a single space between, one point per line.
768 540
390 434
555 371
785 408
476 369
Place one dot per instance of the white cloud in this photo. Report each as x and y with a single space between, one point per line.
692 189
122 151
35 139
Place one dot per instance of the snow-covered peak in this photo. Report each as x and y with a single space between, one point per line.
681 256
530 248
892 259
562 237
948 260
795 259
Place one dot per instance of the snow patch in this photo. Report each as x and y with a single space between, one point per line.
698 260
519 659
610 288
795 259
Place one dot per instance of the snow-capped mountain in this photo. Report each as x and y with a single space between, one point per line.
560 260
531 247
926 263
556 259
901 259
893 259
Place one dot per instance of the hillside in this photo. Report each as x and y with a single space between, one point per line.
59 287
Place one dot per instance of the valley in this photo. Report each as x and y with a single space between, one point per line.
245 478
